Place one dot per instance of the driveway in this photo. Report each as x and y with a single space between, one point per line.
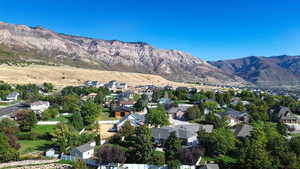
4 112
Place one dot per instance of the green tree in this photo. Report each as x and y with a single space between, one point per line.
197 97
253 154
8 126
51 112
239 107
174 164
210 105
127 129
64 136
141 104
89 112
219 142
157 117
77 121
143 147
172 147
100 98
193 113
7 152
71 103
295 145
48 87
27 120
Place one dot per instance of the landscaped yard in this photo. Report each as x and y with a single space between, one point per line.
41 143
29 146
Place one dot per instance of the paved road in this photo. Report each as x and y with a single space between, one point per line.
8 110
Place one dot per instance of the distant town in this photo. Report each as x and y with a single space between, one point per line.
114 125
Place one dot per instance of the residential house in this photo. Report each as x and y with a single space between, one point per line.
187 133
111 85
210 166
12 96
96 84
165 101
134 119
122 86
148 92
89 96
127 104
39 106
120 112
179 111
85 151
285 115
234 116
243 130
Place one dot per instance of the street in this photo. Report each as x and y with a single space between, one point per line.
4 112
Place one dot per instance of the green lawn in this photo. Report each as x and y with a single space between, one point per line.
29 146
39 144
61 118
224 159
105 115
42 129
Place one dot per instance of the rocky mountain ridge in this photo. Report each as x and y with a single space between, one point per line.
265 71
37 43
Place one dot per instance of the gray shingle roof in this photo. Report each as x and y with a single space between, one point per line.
243 131
84 148
210 166
182 131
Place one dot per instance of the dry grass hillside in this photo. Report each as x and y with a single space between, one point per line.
64 76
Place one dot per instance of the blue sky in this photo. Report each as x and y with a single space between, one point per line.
208 29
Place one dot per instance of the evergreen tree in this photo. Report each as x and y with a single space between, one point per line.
127 129
143 147
172 147
89 112
77 121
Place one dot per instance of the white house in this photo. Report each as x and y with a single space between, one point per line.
134 119
85 151
12 96
122 86
39 106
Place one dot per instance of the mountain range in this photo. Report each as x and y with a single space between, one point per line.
24 44
264 71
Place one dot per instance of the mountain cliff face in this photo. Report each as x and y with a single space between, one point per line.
39 44
266 71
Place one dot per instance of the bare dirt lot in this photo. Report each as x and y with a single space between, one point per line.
65 75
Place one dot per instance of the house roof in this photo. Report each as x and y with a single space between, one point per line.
37 103
136 119
243 131
118 109
13 94
182 131
234 113
182 108
210 166
283 112
83 148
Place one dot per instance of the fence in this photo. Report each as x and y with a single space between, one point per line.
122 166
72 158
